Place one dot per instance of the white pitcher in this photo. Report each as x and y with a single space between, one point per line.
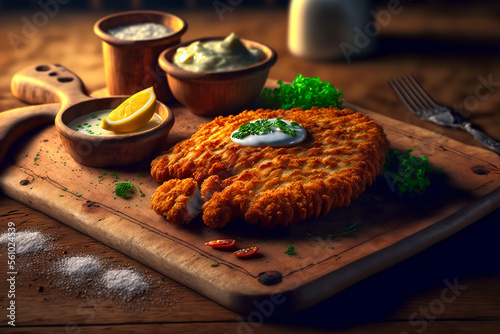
331 29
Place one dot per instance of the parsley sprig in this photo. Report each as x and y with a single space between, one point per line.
406 174
304 92
265 125
290 250
125 189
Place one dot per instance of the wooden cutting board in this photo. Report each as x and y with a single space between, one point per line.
38 172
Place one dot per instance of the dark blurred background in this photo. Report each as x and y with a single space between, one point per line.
121 4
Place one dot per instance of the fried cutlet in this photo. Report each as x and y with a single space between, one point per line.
268 186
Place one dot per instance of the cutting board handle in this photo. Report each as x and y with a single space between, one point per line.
16 122
40 84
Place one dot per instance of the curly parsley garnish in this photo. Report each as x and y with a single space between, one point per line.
304 93
265 125
290 250
406 174
125 189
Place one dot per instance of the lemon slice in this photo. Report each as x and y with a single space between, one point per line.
134 113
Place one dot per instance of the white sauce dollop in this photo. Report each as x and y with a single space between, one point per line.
140 31
274 138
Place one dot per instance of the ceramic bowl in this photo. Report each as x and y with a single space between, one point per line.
132 65
217 93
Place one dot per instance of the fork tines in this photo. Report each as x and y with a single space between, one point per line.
412 94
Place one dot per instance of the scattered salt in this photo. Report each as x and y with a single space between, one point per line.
80 266
124 282
70 271
26 242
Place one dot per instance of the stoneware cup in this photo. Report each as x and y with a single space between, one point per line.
131 65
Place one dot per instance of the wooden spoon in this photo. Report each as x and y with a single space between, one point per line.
42 84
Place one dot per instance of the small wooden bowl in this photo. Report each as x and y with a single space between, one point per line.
217 93
132 66
48 83
115 150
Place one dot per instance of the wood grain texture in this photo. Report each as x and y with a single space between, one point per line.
17 122
389 298
457 327
48 83
82 197
447 49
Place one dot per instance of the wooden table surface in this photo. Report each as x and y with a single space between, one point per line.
452 287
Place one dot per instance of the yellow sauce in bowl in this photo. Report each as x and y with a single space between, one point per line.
215 56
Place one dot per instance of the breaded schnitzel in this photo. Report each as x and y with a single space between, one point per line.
268 186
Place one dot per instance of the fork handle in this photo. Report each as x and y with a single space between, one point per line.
482 137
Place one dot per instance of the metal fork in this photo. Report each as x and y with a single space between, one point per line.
421 104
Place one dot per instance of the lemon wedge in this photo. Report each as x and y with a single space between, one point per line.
134 113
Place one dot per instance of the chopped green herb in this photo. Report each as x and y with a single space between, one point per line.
290 250
353 228
101 177
265 125
115 176
304 93
406 174
125 189
215 264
